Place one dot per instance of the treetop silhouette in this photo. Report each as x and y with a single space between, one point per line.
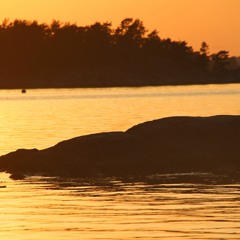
67 55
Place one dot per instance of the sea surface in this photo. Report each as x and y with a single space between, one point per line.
43 117
40 208
56 208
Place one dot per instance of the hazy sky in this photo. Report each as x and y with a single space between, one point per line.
214 21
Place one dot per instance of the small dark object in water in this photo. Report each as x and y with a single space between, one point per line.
17 176
24 90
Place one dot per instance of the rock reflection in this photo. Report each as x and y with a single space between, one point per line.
111 208
148 183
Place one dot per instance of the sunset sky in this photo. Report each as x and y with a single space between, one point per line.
214 21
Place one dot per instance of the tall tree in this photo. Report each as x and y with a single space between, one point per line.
204 49
220 61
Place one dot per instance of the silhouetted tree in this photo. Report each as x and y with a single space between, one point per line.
204 50
219 61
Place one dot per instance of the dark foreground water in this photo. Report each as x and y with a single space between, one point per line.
51 208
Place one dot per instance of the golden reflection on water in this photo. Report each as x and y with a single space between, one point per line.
42 117
49 208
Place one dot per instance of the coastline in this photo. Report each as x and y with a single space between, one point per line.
57 86
76 79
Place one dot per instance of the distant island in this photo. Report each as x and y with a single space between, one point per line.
57 55
167 145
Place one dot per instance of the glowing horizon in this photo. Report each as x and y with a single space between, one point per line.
215 22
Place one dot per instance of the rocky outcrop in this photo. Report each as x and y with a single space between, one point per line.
174 144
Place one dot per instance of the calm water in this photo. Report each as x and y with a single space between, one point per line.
41 118
48 208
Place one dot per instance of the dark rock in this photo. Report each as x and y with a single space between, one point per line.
174 144
17 176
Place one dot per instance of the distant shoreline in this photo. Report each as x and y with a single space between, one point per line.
119 86
64 55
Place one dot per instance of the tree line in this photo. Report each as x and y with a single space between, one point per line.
59 54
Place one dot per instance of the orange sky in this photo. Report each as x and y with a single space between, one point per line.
214 21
